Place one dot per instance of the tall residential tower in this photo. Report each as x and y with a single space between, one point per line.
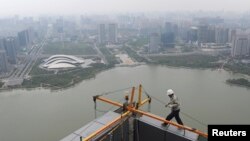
102 34
112 33
10 45
3 62
241 45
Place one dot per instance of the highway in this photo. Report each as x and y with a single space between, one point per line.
100 54
23 70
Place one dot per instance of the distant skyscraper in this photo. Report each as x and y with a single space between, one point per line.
112 33
10 45
168 36
169 27
193 34
23 37
211 35
102 34
59 25
3 62
203 34
206 34
241 45
31 35
232 35
221 35
2 44
154 43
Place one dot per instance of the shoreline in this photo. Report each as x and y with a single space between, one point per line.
239 82
238 85
92 76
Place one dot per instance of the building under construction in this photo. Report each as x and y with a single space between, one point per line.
130 123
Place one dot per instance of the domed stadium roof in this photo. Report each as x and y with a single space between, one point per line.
62 62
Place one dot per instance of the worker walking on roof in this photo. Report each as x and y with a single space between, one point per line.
174 104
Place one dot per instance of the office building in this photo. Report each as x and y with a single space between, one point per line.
168 36
232 34
203 34
10 45
2 44
211 34
112 33
221 35
154 43
192 34
23 37
206 34
3 62
102 34
59 25
241 45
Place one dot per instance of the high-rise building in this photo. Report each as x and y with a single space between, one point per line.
102 34
182 30
59 25
2 44
206 34
241 45
10 45
169 27
23 37
232 35
221 35
203 34
31 35
192 34
211 34
168 36
154 43
3 62
112 35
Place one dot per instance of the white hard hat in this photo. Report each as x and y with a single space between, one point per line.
170 92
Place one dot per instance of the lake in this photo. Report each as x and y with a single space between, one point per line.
45 115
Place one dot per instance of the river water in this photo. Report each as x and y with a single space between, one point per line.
45 115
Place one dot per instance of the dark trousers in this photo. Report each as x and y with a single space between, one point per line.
176 115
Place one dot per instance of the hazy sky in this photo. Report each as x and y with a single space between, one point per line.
36 7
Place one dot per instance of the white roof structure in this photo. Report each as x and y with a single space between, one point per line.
62 62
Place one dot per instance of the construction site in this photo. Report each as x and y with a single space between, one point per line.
130 123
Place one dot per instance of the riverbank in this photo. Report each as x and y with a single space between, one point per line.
67 109
238 68
1 84
189 61
68 78
206 62
239 82
109 56
134 55
64 79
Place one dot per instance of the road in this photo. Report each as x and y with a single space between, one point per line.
49 55
144 56
23 70
34 56
173 54
100 54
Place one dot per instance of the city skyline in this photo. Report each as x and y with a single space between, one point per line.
43 7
